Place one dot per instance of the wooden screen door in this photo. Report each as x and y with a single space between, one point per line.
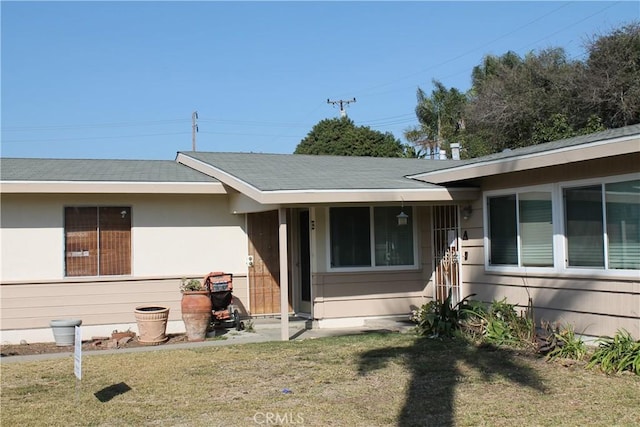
446 253
264 275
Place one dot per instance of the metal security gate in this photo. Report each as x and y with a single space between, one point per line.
446 253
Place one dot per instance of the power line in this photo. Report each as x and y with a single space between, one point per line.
364 91
89 138
31 128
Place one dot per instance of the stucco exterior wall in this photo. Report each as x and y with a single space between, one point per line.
172 235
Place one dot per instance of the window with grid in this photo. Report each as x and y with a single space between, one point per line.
97 241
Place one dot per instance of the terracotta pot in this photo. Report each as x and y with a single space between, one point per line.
196 314
152 324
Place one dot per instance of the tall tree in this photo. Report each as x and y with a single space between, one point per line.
341 137
440 118
517 101
514 98
612 76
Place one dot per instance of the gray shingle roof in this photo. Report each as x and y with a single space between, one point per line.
24 169
547 146
272 172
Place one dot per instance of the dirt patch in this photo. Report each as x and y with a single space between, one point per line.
95 344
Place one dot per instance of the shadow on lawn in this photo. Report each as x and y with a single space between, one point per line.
435 375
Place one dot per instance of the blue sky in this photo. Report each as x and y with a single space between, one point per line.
121 80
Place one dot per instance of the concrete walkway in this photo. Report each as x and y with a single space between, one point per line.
264 330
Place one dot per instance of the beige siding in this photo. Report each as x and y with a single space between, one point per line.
593 305
97 302
374 293
617 165
366 294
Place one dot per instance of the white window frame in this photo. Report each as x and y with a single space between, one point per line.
560 248
373 267
487 243
593 271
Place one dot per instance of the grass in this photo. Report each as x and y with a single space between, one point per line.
366 380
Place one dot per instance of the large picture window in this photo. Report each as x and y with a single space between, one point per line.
370 237
603 225
597 226
97 241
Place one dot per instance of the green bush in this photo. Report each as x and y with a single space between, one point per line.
567 345
499 324
440 318
617 354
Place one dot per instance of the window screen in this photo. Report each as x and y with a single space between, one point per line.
97 241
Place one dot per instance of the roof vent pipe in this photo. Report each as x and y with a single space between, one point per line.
455 150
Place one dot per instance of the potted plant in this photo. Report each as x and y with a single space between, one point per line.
152 324
196 309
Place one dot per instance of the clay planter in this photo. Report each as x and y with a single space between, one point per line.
196 314
152 324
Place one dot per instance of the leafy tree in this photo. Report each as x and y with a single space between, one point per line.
515 99
341 137
542 96
612 76
440 118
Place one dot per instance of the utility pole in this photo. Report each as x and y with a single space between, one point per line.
342 103
194 129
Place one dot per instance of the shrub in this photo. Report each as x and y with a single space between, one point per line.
440 318
617 354
566 345
500 324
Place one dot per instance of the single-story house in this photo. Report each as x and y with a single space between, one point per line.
338 240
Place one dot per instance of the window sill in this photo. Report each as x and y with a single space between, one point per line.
586 273
395 268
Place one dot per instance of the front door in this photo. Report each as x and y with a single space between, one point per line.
264 273
446 253
304 262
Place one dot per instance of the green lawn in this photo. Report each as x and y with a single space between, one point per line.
366 380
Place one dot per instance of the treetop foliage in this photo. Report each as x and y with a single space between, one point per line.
517 101
341 137
514 101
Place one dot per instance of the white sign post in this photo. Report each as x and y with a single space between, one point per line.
77 354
